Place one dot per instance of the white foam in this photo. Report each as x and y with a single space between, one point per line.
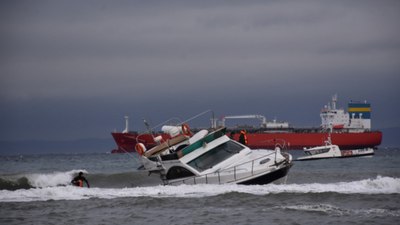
325 208
337 211
380 185
52 179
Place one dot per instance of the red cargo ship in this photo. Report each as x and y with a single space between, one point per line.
349 130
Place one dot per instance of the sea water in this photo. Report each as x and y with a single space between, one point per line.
34 189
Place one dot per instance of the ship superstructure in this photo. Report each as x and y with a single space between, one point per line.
357 119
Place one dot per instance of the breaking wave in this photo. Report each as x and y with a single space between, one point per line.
37 180
55 189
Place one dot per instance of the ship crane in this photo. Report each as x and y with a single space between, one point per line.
260 117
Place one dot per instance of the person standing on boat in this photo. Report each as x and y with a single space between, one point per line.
243 137
78 180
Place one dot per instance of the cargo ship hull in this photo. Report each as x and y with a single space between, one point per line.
292 141
298 141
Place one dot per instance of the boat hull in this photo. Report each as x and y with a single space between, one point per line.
269 177
344 154
263 178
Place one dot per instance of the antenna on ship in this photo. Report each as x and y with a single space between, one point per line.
334 100
329 141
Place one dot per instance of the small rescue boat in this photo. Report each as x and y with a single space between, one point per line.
333 151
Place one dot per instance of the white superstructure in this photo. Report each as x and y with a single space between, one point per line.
358 117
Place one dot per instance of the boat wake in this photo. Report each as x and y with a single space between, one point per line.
58 191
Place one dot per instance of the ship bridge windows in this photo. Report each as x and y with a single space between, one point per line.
215 156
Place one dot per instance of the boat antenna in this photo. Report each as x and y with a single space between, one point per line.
200 114
131 155
148 127
167 121
213 121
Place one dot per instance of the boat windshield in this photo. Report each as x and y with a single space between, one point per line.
318 151
215 156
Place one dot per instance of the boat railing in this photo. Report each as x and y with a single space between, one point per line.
230 174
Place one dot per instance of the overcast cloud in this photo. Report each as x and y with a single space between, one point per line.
73 69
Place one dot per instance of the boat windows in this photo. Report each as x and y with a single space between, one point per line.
172 156
215 156
176 172
319 151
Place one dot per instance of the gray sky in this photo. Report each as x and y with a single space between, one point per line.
73 69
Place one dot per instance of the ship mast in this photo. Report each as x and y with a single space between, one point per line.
126 125
334 100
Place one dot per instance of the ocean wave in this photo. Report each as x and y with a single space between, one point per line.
332 210
379 185
56 179
37 180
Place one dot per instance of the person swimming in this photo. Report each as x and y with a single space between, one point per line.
78 180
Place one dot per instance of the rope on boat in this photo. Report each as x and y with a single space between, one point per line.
198 115
131 155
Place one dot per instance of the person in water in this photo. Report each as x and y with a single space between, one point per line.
78 180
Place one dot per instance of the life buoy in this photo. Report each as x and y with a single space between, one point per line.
140 148
186 129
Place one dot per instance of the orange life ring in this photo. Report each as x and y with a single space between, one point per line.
186 129
139 147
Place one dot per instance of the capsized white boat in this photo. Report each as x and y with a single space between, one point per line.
332 151
211 157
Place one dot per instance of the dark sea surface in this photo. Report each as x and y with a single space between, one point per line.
34 189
